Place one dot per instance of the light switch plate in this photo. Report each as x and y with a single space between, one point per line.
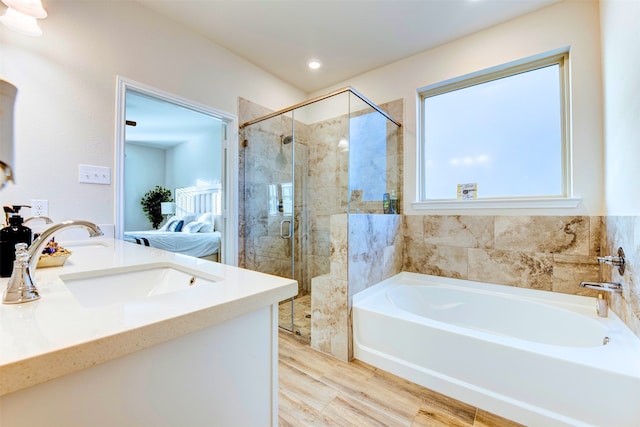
94 174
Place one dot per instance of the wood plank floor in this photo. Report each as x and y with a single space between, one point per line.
317 390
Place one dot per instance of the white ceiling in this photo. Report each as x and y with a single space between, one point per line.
163 124
349 37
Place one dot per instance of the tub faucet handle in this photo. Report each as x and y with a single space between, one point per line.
614 260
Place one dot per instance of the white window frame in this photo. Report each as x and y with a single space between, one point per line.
564 201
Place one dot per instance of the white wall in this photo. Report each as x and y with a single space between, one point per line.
144 169
620 26
65 109
199 159
570 23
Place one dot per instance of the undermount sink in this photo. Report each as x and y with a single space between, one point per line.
104 287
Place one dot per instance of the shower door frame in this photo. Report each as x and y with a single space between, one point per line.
291 110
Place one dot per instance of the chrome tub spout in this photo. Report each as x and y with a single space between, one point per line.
602 286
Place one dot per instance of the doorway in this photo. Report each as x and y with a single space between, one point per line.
182 146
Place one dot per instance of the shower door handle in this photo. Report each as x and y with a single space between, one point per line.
282 230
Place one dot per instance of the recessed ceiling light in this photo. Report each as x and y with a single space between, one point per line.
314 64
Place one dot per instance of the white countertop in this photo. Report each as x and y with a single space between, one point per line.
56 335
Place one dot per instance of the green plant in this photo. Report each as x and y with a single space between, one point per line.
151 204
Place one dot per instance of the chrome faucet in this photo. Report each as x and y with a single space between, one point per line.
602 286
21 286
613 260
46 219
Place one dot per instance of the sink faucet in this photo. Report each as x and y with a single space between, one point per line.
21 286
46 219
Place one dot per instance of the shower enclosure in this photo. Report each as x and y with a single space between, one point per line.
333 155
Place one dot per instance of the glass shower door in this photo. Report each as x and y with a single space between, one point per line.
269 192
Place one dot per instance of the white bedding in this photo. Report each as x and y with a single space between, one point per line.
194 244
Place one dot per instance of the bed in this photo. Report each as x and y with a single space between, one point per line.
194 230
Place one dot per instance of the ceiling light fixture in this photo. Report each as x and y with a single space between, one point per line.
21 16
314 64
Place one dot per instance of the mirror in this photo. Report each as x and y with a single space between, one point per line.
7 99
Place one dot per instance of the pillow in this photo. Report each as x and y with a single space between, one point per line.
175 225
166 224
206 217
192 227
188 218
207 227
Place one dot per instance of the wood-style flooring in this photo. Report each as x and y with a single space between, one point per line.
318 390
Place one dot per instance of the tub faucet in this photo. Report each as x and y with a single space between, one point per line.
602 286
614 260
21 286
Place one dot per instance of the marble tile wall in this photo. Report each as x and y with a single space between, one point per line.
330 326
552 253
375 249
624 231
365 249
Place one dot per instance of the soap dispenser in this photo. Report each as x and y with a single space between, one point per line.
10 235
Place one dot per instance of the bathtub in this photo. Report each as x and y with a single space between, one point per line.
539 358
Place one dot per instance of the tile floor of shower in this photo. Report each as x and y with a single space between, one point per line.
301 316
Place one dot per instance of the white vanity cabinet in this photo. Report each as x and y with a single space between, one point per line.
171 360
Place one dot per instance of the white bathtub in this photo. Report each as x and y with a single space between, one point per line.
535 357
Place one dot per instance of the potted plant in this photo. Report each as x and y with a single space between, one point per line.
151 204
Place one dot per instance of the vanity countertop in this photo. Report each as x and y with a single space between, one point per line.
57 335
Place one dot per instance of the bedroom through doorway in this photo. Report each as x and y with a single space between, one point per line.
173 159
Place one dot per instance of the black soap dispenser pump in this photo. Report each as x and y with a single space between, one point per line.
10 235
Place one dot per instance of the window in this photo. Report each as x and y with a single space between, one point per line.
502 131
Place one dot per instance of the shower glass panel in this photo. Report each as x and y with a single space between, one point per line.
315 161
269 192
373 160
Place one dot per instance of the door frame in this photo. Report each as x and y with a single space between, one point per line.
229 160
